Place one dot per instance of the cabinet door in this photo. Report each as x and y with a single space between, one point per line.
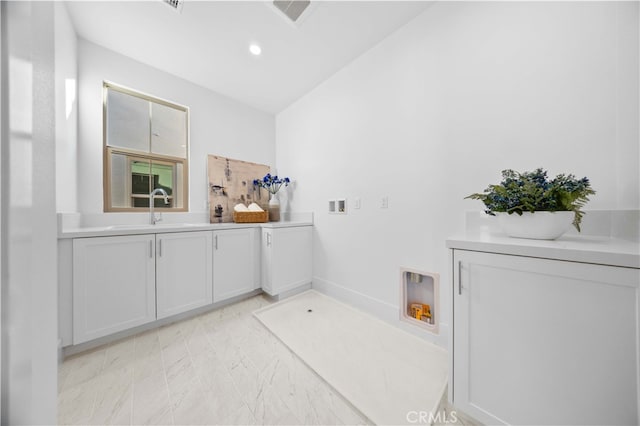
113 285
234 262
183 271
541 341
288 258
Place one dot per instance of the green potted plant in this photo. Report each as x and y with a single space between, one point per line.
556 203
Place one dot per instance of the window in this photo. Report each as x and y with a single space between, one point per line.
146 145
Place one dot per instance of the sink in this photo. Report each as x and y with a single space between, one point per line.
156 226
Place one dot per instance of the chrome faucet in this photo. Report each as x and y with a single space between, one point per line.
152 217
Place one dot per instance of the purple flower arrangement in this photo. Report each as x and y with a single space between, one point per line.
271 183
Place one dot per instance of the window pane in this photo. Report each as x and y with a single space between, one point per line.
140 182
133 178
125 182
127 121
140 172
164 178
169 131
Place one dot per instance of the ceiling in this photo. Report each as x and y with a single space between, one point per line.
208 43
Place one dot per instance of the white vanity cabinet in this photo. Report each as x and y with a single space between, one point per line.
236 262
183 272
286 258
113 285
544 341
114 279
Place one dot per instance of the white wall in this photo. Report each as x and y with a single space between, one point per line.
437 110
29 231
66 69
219 125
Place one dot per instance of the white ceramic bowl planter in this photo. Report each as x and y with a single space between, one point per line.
539 225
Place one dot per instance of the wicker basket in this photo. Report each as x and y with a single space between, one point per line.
251 217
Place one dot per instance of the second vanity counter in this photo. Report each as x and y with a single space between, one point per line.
572 248
114 230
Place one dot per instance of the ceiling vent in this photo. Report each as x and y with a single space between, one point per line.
175 4
292 9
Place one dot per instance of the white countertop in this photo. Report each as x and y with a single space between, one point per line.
573 248
104 231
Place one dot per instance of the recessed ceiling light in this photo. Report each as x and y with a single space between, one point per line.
255 49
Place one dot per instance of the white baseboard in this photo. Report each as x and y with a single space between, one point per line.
379 309
100 341
291 292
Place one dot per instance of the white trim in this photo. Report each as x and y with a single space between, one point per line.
4 119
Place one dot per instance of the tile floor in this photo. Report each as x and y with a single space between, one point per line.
222 367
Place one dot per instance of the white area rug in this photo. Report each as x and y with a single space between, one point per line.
383 371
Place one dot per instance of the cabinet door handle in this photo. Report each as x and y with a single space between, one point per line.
459 277
150 249
215 242
160 249
268 239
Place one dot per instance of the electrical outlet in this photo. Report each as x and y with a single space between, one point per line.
342 206
356 203
384 204
338 206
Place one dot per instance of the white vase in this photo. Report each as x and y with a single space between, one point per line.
274 209
536 225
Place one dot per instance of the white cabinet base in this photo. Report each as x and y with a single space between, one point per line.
297 290
183 272
235 262
286 259
113 285
540 341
